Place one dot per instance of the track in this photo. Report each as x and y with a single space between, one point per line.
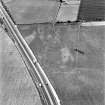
46 91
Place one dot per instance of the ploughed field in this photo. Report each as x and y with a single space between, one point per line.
73 59
16 86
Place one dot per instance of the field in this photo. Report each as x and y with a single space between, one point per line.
71 56
16 86
73 59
